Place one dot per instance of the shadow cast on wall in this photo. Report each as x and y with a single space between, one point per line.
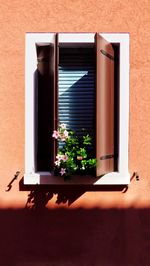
39 196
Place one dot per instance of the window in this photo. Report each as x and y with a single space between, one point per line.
100 60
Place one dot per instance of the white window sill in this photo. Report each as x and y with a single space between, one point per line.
45 178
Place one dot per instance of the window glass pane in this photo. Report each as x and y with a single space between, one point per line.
76 83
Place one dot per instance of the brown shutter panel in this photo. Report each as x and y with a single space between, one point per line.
55 96
104 106
46 105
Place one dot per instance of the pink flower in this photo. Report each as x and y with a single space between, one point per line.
59 157
63 126
66 134
65 158
79 158
57 163
63 138
55 134
62 157
62 171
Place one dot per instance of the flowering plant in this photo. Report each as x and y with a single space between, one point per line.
75 153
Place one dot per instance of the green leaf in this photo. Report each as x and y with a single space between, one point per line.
87 140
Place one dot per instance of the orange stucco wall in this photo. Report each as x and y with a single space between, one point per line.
99 228
19 17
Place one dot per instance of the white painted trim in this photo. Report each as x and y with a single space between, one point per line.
31 176
43 178
76 37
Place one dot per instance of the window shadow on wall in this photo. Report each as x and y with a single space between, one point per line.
76 237
39 196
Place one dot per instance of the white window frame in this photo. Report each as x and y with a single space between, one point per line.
122 177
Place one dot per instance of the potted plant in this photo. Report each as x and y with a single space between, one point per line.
75 153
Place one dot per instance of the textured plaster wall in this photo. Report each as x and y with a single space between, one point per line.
17 18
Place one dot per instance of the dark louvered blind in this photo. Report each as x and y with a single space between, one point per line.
76 89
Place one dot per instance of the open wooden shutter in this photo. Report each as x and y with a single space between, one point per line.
46 87
55 99
104 106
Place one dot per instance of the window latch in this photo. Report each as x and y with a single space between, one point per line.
108 156
108 55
